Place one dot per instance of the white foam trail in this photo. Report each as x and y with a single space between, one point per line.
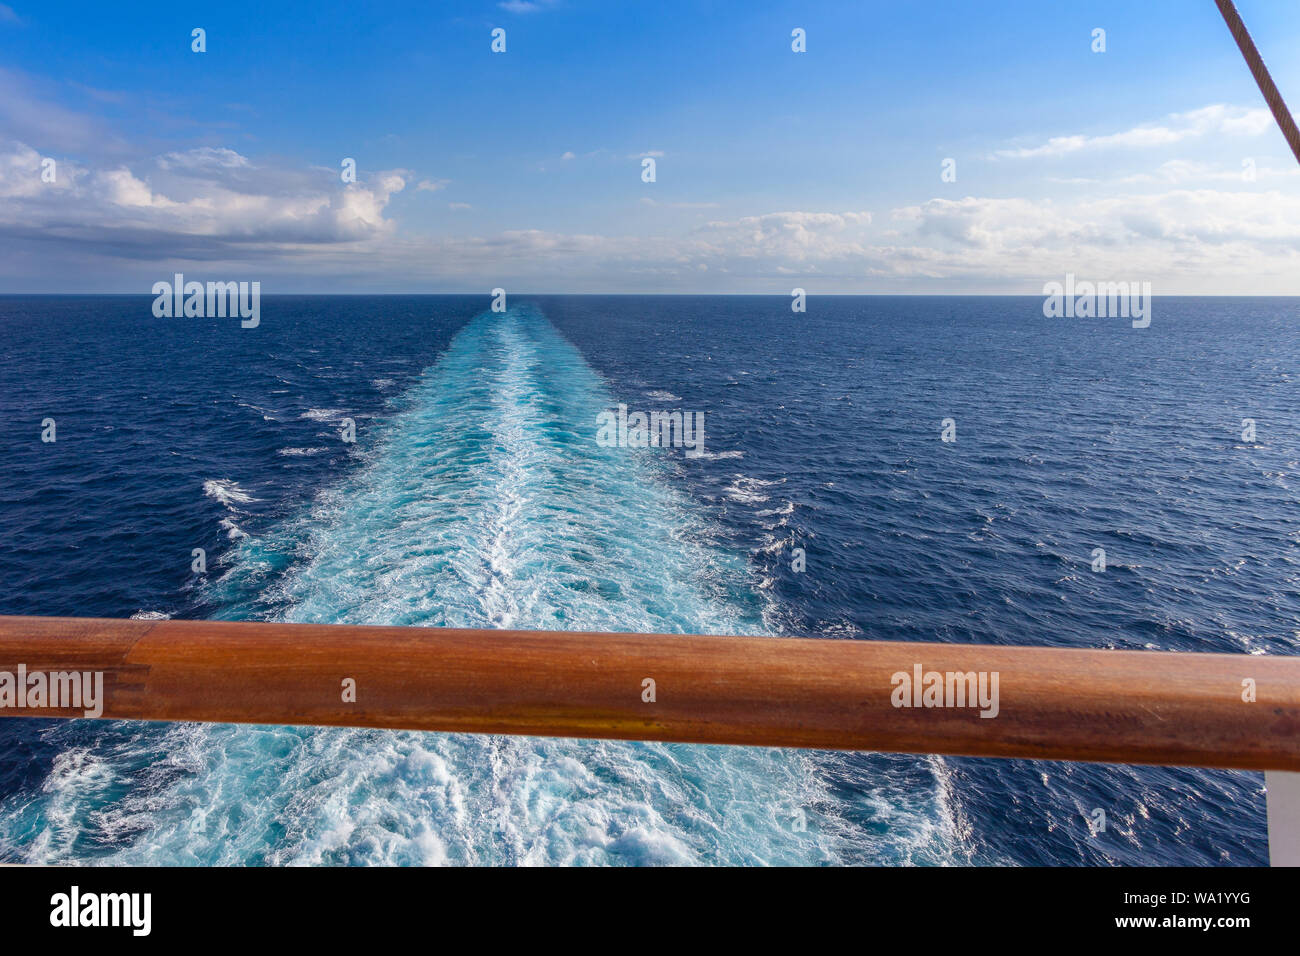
323 414
488 503
228 493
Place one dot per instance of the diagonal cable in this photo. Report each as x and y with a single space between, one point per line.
1260 72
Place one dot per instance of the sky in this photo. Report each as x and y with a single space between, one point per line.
1153 161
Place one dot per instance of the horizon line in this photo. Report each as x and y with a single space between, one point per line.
697 295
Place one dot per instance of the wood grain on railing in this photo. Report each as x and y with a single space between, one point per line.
1147 707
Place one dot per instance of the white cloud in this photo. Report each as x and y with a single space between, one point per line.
526 6
1183 171
29 113
431 185
20 174
568 155
198 203
1197 240
121 188
205 157
1218 119
213 205
793 236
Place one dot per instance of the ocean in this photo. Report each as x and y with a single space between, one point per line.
476 495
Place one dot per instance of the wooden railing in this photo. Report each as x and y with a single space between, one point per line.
1149 707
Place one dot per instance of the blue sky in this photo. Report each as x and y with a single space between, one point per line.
774 169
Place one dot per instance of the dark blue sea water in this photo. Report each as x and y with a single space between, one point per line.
475 494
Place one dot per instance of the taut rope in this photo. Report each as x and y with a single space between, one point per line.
1260 72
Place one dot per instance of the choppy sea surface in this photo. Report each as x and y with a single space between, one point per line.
476 494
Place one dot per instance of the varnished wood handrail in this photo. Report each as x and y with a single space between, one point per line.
1145 707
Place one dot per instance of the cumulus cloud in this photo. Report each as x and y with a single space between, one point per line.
1203 215
196 203
215 205
1199 239
1180 240
122 219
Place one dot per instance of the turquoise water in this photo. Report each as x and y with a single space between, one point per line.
476 494
486 503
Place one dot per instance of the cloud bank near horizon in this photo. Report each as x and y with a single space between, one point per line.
115 218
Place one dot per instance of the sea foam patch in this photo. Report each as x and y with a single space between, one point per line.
485 503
